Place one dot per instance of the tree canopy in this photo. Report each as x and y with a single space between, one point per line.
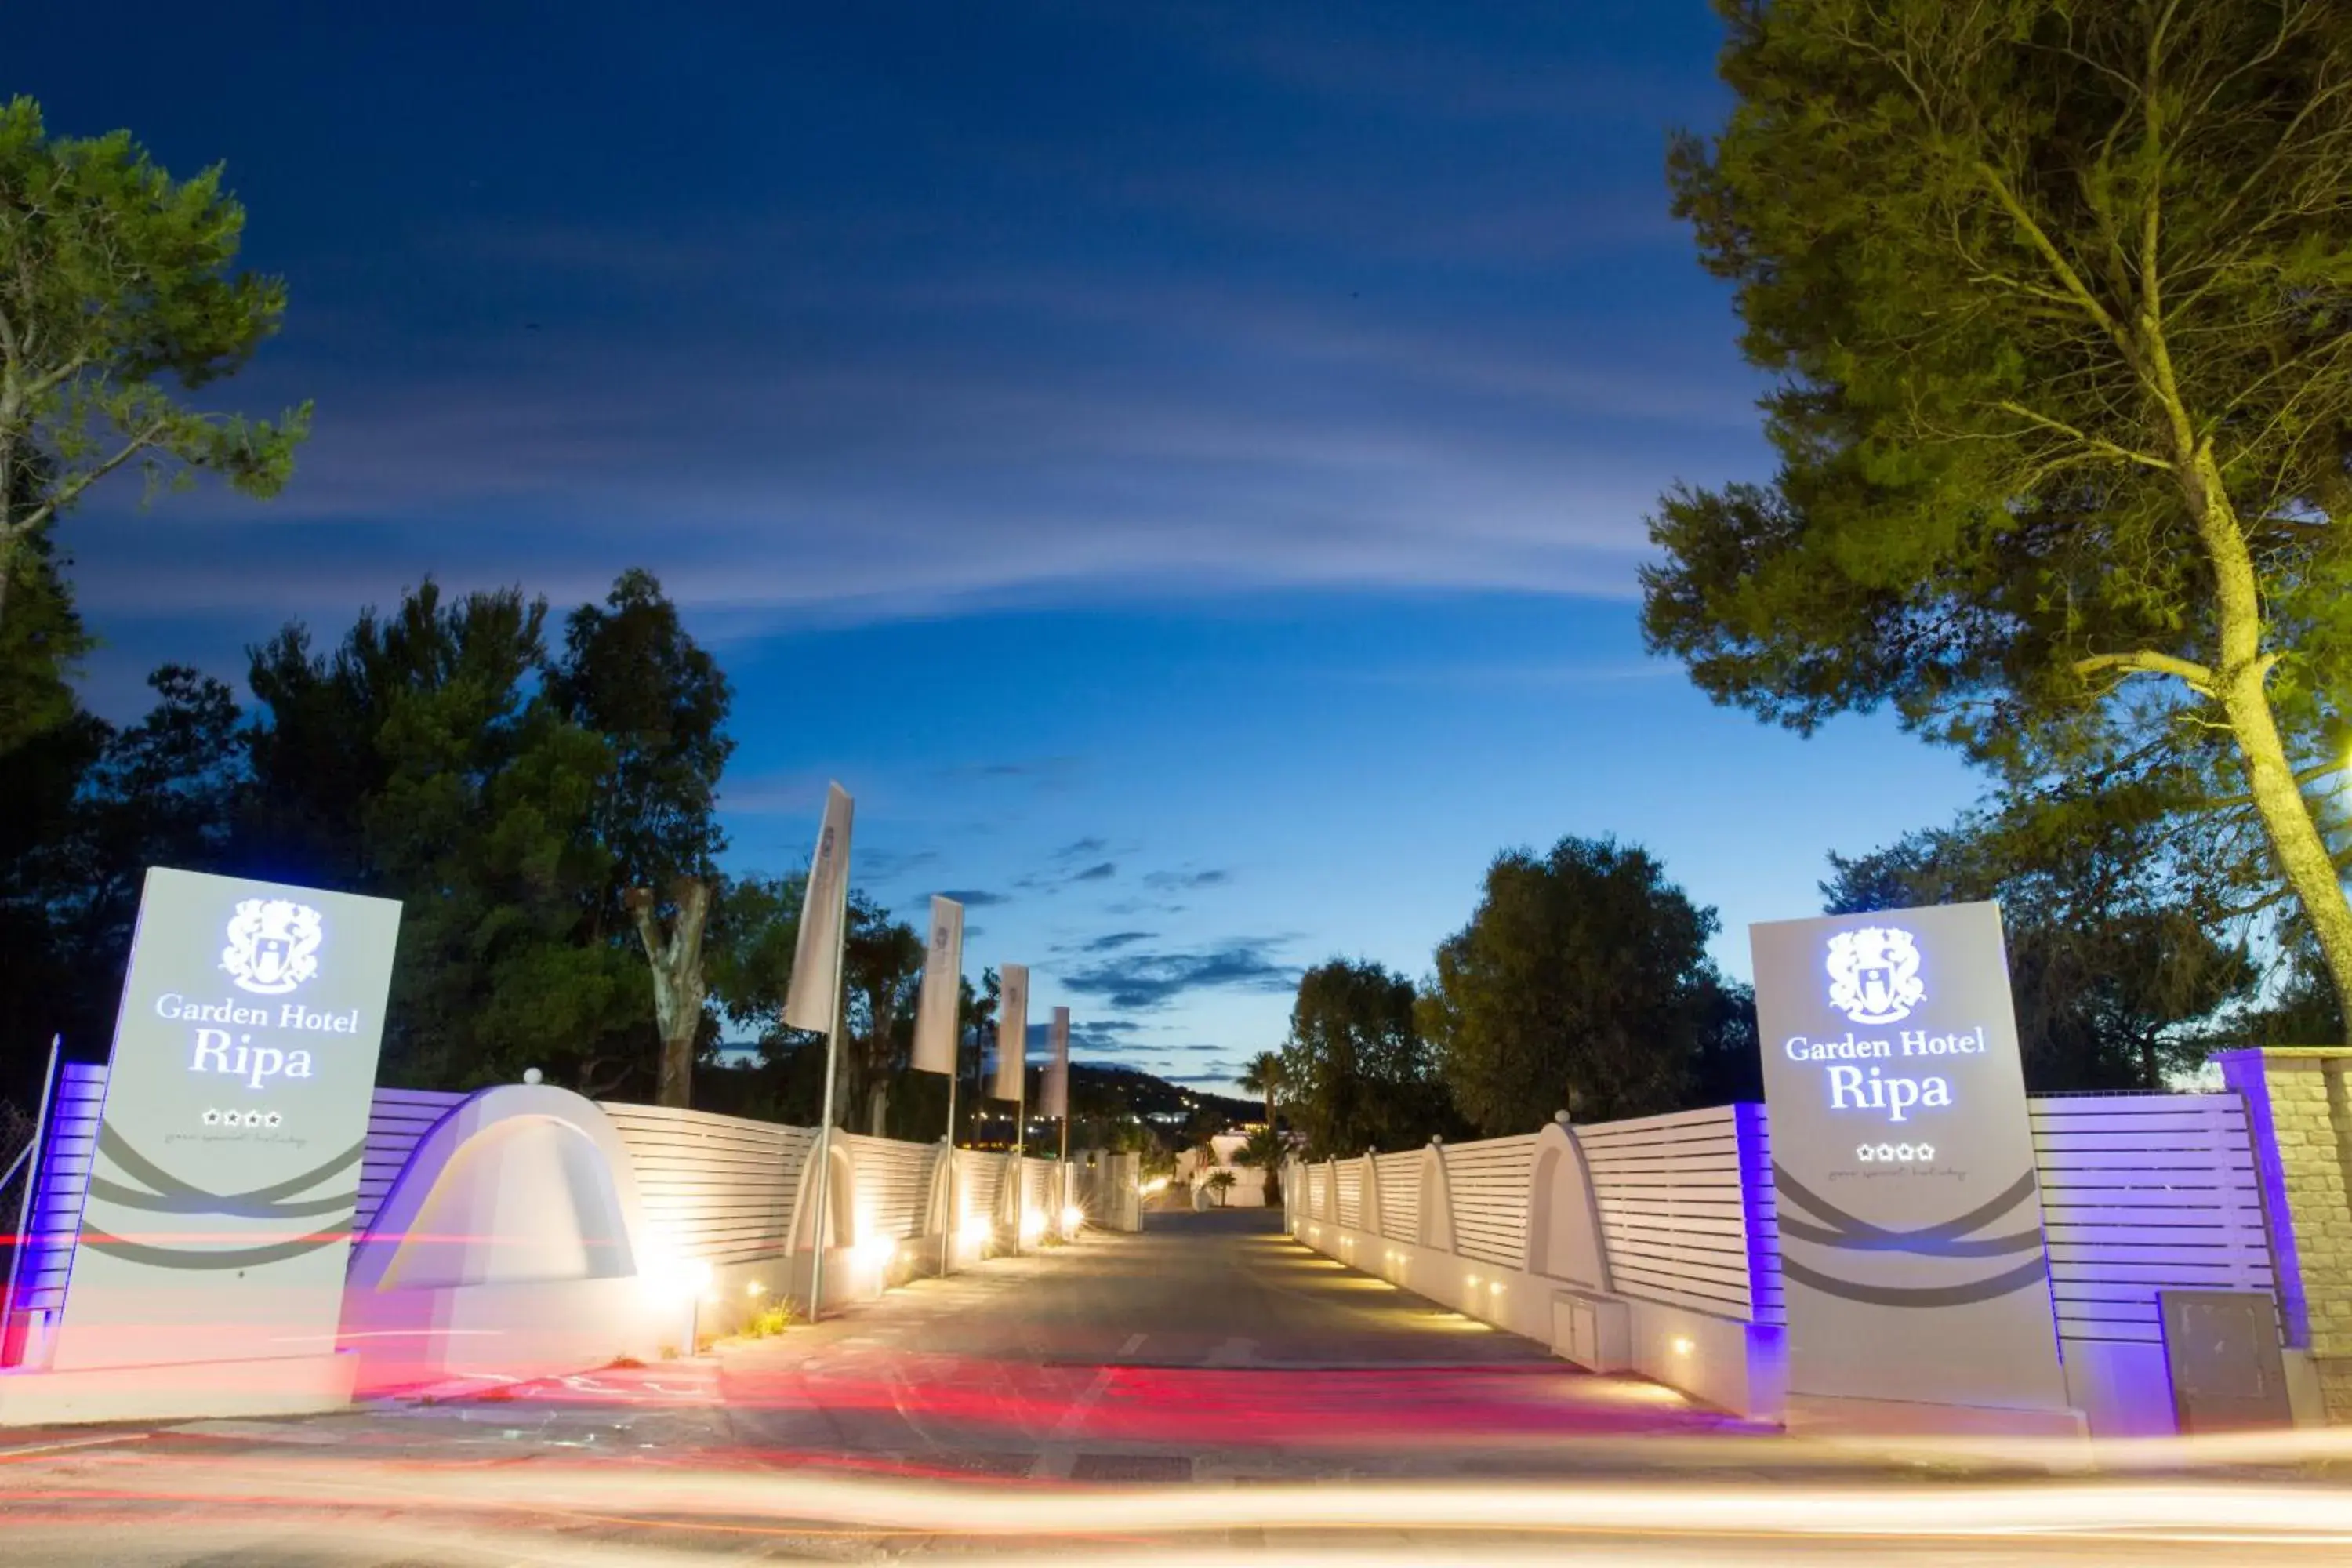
119 296
1581 983
2055 297
435 754
1355 1072
2116 971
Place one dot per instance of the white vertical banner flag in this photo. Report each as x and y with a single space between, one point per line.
935 1010
1055 1099
1012 1030
809 1000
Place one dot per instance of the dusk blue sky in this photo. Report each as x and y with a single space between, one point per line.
1182 467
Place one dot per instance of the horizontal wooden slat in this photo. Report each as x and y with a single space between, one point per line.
1399 1177
1349 1176
1672 1213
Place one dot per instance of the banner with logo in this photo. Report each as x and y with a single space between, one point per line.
936 1007
815 989
1910 1212
1053 1098
1012 1031
217 1226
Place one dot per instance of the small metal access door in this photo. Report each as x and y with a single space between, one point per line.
2222 1350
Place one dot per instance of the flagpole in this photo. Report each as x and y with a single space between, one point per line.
949 1226
1019 1138
824 1112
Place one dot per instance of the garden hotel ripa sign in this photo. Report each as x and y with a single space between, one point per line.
218 1219
1910 1212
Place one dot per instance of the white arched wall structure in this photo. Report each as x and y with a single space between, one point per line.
1010 1194
1564 1236
840 1227
940 1195
511 1245
1436 1228
836 1228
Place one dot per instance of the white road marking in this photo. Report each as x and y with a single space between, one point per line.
1074 1416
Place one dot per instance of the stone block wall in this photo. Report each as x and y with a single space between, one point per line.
2299 1106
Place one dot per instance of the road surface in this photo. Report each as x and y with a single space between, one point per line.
1208 1388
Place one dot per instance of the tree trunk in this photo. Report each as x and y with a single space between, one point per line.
2242 677
676 959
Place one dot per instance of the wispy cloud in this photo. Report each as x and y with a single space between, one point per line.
1113 941
973 898
1185 881
1144 980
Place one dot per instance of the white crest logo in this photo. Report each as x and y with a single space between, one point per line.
1875 975
273 945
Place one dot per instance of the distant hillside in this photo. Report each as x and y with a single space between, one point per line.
1101 1096
1098 1088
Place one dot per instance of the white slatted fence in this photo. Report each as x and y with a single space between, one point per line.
1399 1179
1037 1188
1670 1191
894 1179
980 1182
2140 1193
1488 1181
398 1119
717 1188
2143 1193
1349 1176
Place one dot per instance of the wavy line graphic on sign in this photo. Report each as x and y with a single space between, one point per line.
1946 1238
168 1193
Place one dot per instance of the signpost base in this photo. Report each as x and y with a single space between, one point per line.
1829 1415
180 1391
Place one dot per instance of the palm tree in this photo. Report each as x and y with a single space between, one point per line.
1265 1076
1221 1183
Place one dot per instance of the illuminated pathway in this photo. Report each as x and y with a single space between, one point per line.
1211 1346
1205 1390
